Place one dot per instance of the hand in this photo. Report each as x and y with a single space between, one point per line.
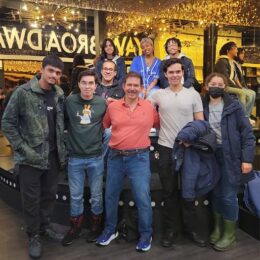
246 167
109 100
185 144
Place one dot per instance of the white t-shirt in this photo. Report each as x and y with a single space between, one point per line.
175 111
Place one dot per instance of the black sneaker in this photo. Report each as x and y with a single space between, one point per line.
92 236
74 231
70 236
35 247
168 239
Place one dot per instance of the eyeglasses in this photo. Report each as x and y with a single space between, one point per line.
172 44
108 69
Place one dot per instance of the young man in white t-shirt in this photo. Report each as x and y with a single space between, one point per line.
177 106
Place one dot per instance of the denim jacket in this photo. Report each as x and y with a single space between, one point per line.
25 125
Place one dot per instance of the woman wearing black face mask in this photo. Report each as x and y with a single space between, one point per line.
235 154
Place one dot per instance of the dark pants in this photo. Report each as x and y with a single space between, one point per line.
176 211
38 191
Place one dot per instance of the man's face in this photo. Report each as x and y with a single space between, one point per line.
87 86
173 48
174 74
233 51
108 71
132 88
50 75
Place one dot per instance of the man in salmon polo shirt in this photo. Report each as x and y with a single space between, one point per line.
131 119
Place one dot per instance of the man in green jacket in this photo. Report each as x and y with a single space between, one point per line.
33 123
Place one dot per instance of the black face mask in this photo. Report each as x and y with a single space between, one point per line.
216 92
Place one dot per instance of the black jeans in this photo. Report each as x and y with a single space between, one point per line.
178 214
38 191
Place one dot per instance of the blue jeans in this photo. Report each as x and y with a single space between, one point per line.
224 195
77 169
137 169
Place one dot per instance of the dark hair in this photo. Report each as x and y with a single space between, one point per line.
103 46
78 60
133 74
170 62
106 60
239 51
88 72
215 74
53 60
226 48
173 39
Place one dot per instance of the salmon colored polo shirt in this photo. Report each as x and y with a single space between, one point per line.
130 130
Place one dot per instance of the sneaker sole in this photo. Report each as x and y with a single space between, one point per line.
143 249
105 243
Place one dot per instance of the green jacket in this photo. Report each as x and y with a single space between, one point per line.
25 125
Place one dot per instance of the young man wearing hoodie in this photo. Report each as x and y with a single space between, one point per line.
173 49
108 88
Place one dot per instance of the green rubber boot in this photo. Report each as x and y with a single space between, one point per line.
228 237
218 227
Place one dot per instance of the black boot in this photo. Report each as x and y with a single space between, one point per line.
74 231
191 221
95 229
195 237
35 247
168 238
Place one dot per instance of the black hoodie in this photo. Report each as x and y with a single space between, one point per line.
114 91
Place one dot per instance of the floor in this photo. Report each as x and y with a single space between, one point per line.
13 240
13 246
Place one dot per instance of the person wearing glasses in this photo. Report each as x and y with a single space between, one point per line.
109 89
109 52
108 86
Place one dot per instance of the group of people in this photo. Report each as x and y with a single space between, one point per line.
110 116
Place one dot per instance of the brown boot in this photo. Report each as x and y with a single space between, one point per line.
74 231
95 229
